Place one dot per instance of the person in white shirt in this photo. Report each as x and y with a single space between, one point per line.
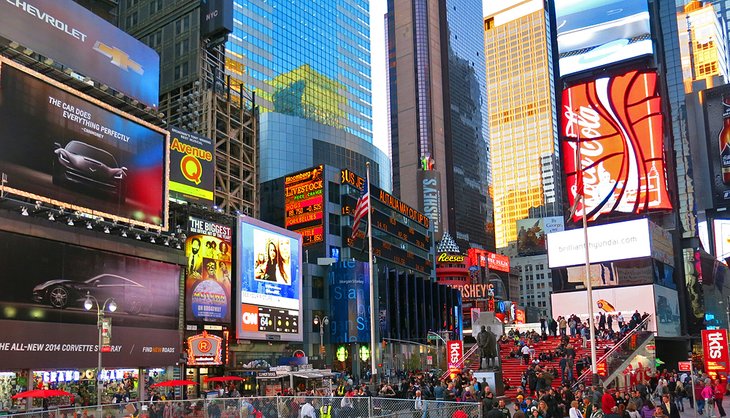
307 410
574 411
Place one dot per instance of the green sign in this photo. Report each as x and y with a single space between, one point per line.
433 337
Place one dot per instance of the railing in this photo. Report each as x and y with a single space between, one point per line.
612 354
270 407
461 361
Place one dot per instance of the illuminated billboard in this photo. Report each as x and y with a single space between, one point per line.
76 37
270 282
192 166
62 147
349 302
532 234
658 301
484 258
208 253
617 122
717 120
616 241
304 204
596 33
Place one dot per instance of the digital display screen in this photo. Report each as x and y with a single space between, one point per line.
59 146
617 123
269 269
304 203
596 33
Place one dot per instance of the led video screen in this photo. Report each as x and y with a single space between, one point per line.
596 33
617 123
60 146
270 282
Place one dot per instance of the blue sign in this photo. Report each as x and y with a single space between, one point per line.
349 302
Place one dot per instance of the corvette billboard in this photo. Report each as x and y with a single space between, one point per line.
60 146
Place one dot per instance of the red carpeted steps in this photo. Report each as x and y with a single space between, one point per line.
512 369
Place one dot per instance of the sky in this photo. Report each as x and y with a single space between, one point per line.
378 8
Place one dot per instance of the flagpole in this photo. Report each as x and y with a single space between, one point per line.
589 281
373 346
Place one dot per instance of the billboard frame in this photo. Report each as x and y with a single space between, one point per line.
238 299
166 191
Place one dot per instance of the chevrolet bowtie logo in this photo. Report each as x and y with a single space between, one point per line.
119 57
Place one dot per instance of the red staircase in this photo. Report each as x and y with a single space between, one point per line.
512 369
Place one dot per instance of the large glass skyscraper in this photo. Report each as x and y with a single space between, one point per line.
309 65
437 113
522 116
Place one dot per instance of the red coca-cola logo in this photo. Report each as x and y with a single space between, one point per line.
615 124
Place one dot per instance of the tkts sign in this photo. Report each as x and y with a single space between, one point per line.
619 125
715 347
454 350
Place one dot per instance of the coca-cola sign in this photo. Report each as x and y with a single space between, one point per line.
617 124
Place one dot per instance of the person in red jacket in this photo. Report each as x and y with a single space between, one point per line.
719 391
607 402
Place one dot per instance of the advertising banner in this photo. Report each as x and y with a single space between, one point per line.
270 278
216 17
59 146
667 312
76 37
625 273
208 252
609 301
56 278
618 124
454 353
616 241
429 182
192 166
717 120
46 345
596 33
205 350
483 258
349 302
715 347
304 203
532 234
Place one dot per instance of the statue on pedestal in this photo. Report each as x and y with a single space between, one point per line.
487 342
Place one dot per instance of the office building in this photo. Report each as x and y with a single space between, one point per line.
439 139
536 283
702 42
522 116
308 64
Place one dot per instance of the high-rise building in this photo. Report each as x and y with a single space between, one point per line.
309 66
522 115
439 139
702 42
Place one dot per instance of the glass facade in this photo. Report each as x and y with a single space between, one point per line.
469 132
522 120
309 60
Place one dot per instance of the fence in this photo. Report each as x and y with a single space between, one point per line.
271 407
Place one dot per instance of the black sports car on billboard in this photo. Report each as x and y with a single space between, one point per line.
128 294
83 164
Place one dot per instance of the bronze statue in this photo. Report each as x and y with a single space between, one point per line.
487 342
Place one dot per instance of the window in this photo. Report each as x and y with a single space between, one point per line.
334 193
181 71
334 225
155 6
155 40
182 24
317 287
182 48
131 20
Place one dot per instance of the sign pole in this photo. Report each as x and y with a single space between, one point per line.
692 379
373 346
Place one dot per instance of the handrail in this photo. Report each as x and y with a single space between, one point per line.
611 350
461 361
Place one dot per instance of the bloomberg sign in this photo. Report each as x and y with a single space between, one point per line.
74 36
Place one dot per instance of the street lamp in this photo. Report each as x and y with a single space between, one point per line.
110 305
438 338
325 321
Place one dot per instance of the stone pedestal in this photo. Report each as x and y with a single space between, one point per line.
493 378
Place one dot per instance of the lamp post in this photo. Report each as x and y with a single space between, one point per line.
110 305
438 338
323 322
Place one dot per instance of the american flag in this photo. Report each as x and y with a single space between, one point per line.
361 209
